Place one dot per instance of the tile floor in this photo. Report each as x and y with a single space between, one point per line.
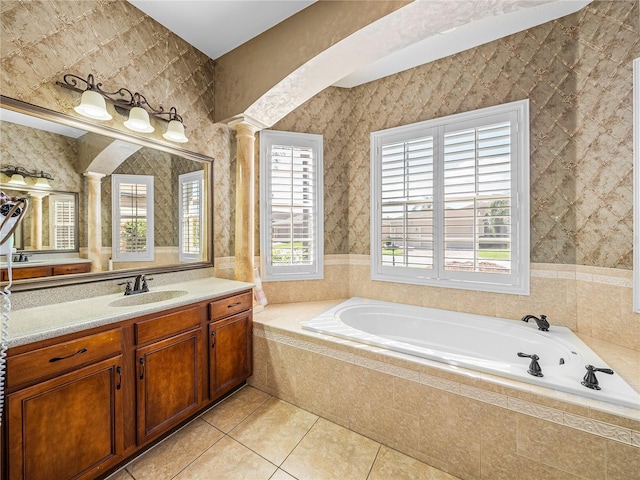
254 436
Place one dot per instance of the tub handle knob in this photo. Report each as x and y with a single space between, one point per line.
590 380
534 366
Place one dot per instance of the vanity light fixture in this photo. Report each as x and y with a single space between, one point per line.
92 105
19 175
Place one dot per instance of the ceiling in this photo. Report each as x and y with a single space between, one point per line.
216 27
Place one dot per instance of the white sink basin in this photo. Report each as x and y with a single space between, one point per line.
147 297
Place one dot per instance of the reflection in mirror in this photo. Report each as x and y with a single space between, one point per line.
51 222
95 210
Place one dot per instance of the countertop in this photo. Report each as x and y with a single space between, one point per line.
42 263
41 323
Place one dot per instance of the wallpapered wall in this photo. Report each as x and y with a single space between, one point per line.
577 74
41 40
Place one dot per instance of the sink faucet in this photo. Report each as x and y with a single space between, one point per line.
139 285
542 322
21 257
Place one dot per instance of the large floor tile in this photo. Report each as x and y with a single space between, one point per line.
281 475
274 430
391 464
169 457
330 452
122 474
233 410
228 460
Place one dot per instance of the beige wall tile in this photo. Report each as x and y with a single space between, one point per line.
500 464
560 447
623 461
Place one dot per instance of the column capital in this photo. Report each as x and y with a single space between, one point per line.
94 175
245 124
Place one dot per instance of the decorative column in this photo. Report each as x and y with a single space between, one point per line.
36 218
94 220
245 202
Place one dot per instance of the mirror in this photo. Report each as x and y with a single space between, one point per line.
56 230
115 203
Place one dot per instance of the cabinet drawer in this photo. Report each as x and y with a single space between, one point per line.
27 272
231 305
71 268
48 361
167 325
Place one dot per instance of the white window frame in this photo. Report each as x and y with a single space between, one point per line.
186 178
636 185
315 270
517 281
116 254
54 199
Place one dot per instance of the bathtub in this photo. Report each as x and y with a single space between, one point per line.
478 342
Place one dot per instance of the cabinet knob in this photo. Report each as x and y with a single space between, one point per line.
213 339
142 369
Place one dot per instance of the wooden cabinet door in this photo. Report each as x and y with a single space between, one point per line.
169 384
67 427
230 353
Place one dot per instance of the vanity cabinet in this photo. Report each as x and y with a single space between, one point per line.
66 425
68 398
230 345
169 371
39 271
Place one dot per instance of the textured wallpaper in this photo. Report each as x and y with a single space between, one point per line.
577 74
43 39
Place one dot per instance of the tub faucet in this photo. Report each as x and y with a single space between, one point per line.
542 321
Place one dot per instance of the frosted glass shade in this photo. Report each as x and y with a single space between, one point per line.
17 179
139 121
42 183
175 132
92 105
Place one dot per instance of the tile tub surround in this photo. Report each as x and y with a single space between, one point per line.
591 301
468 424
251 435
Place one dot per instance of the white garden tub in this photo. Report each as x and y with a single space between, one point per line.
479 342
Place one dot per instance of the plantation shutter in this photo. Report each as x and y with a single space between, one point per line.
292 207
133 218
64 218
477 199
407 203
190 216
450 201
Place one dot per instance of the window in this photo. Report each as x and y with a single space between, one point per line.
190 207
291 195
132 207
450 201
62 221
